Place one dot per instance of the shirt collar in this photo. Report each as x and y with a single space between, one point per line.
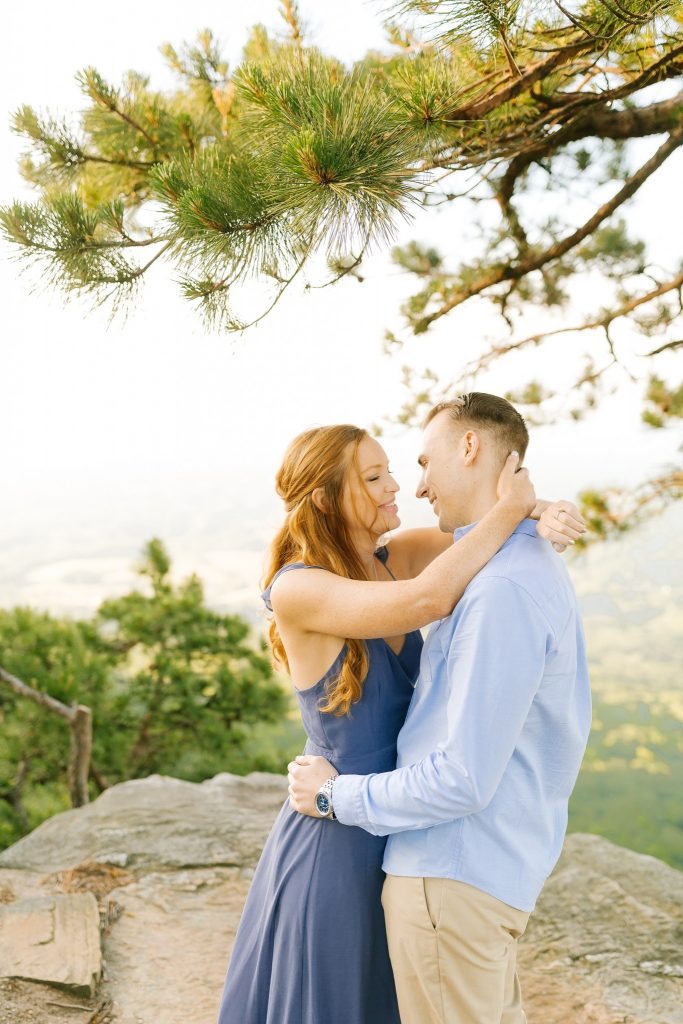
527 526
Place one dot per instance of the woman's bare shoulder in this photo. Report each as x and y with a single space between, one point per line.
299 582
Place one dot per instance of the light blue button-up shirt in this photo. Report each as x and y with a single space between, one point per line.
494 736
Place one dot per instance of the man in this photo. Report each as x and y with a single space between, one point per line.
476 810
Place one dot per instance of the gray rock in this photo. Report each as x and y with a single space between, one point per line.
169 947
603 946
159 822
53 939
609 922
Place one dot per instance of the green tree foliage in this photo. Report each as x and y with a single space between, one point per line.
251 172
173 686
67 660
193 678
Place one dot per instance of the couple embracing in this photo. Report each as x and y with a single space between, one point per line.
462 751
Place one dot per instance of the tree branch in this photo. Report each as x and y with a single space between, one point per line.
616 510
79 718
289 11
137 165
515 271
141 270
637 122
573 118
106 98
603 321
666 348
519 84
37 696
282 290
128 243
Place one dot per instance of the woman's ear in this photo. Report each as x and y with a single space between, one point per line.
319 499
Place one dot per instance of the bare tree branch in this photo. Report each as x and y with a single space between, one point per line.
515 271
616 510
519 84
79 718
667 347
636 122
604 321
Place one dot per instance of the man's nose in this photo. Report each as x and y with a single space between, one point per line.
421 491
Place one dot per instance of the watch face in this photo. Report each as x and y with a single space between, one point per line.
322 804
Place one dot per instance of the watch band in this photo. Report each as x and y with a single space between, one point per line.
325 791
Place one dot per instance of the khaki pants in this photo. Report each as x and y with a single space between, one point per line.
453 951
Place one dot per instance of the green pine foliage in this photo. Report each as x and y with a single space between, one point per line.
254 173
68 660
250 172
173 686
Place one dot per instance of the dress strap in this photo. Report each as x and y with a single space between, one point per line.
265 596
383 555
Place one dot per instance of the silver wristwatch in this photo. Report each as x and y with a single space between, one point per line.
323 799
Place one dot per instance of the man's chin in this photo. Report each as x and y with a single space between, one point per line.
445 524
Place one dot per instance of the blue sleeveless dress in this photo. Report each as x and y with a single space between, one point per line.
311 946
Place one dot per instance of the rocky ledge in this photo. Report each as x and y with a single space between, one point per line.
124 912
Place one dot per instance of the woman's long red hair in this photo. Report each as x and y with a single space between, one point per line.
320 458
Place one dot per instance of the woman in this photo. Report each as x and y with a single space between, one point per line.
311 946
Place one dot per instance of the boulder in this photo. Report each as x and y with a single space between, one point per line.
53 939
604 943
603 946
159 823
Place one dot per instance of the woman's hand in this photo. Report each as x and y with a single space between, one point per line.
515 487
562 524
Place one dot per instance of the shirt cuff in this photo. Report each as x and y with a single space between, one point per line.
347 799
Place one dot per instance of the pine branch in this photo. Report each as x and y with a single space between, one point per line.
295 147
669 346
201 64
604 321
145 267
338 158
615 510
342 268
281 290
37 696
520 84
64 226
635 122
289 11
535 261
666 66
108 98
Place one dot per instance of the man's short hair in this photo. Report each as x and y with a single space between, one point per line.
488 412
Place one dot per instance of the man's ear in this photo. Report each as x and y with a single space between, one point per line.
471 446
319 499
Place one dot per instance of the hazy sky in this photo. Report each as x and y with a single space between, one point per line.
149 426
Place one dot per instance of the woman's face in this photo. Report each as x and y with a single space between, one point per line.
369 501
